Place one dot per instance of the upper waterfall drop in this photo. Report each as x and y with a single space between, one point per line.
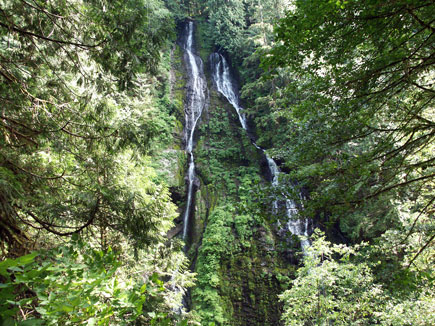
196 100
225 85
222 78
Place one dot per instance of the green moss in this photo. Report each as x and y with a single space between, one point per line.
204 46
179 91
237 271
237 280
216 243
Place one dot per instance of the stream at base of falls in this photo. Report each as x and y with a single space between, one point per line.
225 85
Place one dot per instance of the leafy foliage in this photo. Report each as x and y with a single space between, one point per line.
219 243
69 123
331 291
81 119
338 285
358 108
205 295
356 116
219 156
76 284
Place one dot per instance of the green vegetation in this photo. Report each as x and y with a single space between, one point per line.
77 116
85 108
339 93
237 275
75 284
337 285
344 100
222 155
217 244
359 117
237 265
356 129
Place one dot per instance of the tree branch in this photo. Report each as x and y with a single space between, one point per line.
420 21
42 9
93 214
398 185
21 31
35 175
415 221
420 251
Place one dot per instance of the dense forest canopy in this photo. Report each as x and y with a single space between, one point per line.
79 119
361 102
339 93
69 107
359 134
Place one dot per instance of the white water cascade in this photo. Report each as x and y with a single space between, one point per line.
225 85
196 100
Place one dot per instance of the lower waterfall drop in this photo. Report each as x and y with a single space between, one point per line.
195 102
225 85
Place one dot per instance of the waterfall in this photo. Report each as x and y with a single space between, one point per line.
195 103
222 78
225 85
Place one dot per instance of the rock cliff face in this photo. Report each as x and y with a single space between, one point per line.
238 259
